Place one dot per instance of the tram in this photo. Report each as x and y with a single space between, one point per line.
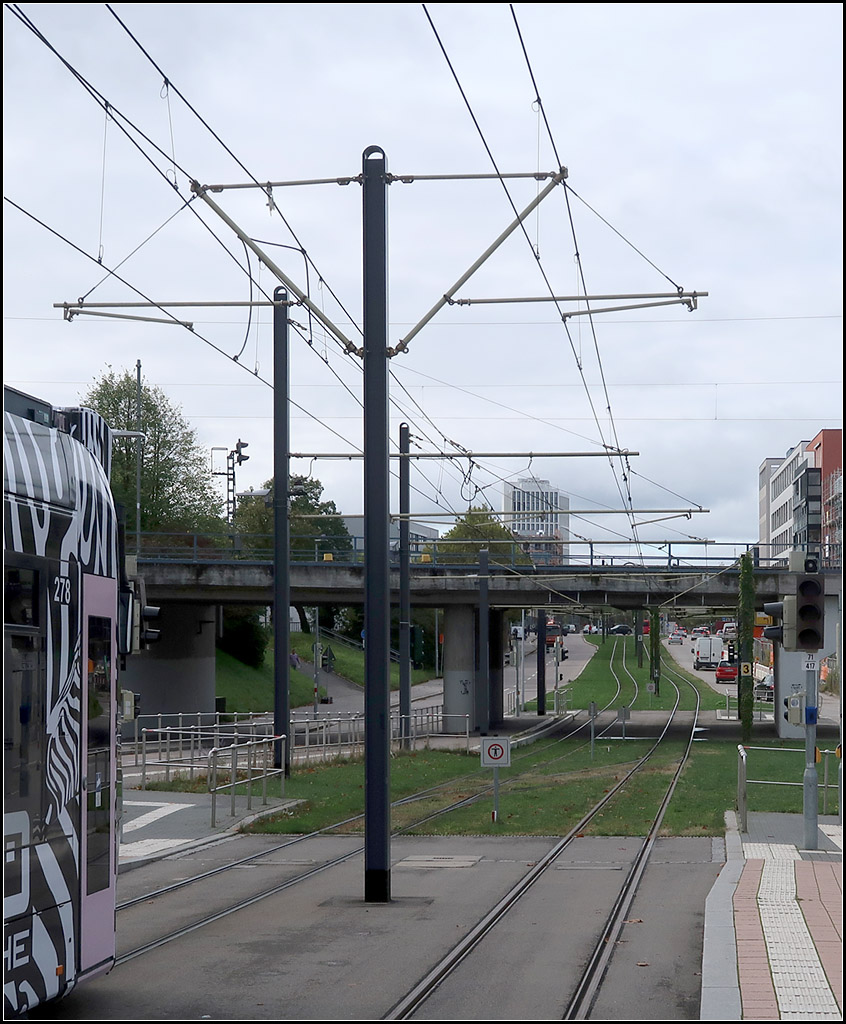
67 620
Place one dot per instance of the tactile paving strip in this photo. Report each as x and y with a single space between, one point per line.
799 980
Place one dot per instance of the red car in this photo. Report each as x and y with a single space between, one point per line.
726 672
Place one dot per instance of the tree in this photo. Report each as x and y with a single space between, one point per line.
177 493
745 639
475 531
316 529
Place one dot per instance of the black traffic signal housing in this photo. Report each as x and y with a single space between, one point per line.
794 709
810 608
417 647
785 634
143 634
239 451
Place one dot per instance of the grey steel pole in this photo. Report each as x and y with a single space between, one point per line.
483 680
405 585
810 778
281 536
377 611
138 443
542 661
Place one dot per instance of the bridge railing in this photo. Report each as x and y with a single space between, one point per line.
234 547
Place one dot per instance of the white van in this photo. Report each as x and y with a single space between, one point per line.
707 652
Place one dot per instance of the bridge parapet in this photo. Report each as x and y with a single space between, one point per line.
249 582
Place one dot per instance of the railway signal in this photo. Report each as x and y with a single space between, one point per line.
810 608
785 612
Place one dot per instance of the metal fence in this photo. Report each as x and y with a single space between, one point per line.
559 698
245 763
743 780
179 744
193 751
226 546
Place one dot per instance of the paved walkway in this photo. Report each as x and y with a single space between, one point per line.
774 924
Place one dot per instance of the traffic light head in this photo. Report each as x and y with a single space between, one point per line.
143 634
810 611
785 634
239 451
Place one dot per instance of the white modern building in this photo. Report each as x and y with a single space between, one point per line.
537 513
800 501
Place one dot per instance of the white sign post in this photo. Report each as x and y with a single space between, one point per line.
496 754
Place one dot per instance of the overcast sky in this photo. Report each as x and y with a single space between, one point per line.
703 146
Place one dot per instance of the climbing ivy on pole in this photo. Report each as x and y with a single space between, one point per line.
655 647
745 640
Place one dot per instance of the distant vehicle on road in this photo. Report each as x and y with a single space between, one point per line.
726 672
765 689
675 638
707 652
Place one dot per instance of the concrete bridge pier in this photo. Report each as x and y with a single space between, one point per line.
462 667
177 673
459 667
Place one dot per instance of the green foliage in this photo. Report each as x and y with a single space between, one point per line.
176 488
244 637
745 636
316 526
474 532
251 689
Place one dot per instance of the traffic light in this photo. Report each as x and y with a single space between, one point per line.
810 608
795 709
142 634
785 634
239 451
417 647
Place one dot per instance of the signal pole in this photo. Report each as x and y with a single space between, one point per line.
377 609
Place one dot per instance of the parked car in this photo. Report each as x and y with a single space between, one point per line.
765 688
726 672
591 629
621 630
675 638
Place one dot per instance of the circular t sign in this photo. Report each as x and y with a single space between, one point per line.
496 752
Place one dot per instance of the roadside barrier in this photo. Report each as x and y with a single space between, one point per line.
743 780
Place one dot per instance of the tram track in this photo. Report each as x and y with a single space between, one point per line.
416 998
578 1003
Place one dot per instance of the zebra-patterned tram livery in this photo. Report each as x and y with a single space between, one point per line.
62 594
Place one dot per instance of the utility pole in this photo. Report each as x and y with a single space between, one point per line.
377 610
281 533
405 585
138 458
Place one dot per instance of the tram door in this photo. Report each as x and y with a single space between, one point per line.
99 847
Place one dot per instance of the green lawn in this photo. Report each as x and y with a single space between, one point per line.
550 782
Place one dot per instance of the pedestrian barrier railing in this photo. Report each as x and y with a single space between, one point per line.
246 763
425 724
762 709
743 780
558 699
192 752
323 738
219 725
179 743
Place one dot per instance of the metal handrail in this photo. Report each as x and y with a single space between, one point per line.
743 780
249 749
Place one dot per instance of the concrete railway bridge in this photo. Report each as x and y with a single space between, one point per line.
177 674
